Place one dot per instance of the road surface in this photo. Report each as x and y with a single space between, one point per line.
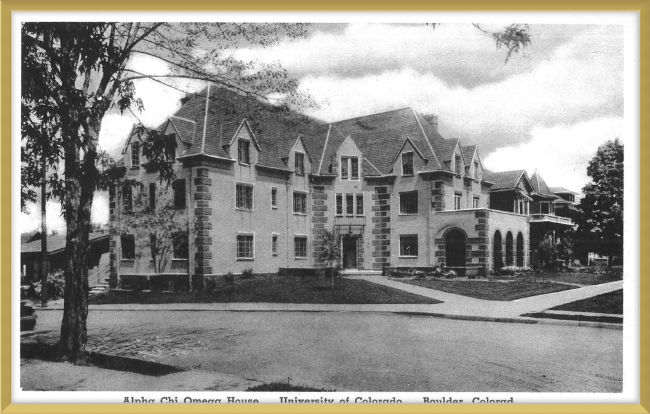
364 352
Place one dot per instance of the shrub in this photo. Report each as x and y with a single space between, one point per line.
247 274
210 284
55 286
450 274
229 278
508 270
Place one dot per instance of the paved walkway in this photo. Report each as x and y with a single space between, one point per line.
453 306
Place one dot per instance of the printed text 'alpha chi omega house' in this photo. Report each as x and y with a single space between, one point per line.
259 187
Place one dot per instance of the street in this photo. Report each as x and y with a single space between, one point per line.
363 351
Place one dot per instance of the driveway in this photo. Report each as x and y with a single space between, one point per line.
363 351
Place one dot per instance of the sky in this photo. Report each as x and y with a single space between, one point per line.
547 109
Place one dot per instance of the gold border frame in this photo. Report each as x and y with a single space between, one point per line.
641 6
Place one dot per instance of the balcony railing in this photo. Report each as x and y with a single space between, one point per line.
349 225
550 218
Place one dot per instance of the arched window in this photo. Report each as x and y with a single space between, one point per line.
520 250
509 249
498 254
455 248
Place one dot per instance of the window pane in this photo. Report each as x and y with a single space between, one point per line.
152 196
457 201
458 166
274 197
274 244
179 193
355 168
339 204
127 197
128 246
407 163
359 204
344 168
245 247
408 202
300 164
244 151
408 245
300 246
135 154
181 245
349 204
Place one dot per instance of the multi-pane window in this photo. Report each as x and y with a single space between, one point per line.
135 154
360 204
300 163
457 197
458 164
244 197
349 168
245 246
299 203
274 197
407 163
476 170
274 244
243 151
408 202
152 196
128 246
180 244
339 204
349 204
408 245
179 193
300 247
475 202
127 198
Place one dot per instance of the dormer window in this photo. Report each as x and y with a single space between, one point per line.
475 170
135 154
349 168
244 151
458 165
299 163
407 163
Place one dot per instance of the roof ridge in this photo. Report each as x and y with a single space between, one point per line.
426 137
376 113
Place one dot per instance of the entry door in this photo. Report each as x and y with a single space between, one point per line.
349 253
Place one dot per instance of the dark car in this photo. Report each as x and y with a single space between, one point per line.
27 317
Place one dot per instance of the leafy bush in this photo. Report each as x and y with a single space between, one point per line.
229 278
247 274
55 286
210 284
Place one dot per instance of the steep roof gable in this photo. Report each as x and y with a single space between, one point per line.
506 180
539 185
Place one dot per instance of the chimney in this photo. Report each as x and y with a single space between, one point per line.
186 98
433 120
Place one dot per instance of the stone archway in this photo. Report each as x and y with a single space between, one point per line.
498 252
520 250
509 255
455 248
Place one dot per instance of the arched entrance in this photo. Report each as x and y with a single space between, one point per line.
498 254
509 249
520 250
455 245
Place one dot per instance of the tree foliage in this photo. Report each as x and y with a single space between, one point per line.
331 252
601 223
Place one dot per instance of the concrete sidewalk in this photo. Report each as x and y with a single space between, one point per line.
453 306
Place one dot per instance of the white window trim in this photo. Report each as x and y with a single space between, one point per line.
356 204
304 167
349 157
298 213
413 166
336 214
400 246
277 235
253 195
459 197
273 206
245 259
250 153
301 236
131 148
399 207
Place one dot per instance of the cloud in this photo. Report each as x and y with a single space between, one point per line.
560 153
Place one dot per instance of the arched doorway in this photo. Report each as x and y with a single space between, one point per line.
498 254
455 245
509 249
520 250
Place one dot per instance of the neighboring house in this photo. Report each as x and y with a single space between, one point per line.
259 192
30 257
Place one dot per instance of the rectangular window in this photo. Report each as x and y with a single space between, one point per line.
544 208
344 168
360 204
135 154
299 203
274 244
243 150
245 246
408 245
180 244
244 197
475 202
128 246
475 170
179 193
300 247
457 197
152 196
354 168
339 204
408 202
458 164
127 198
274 197
349 204
152 244
407 163
300 163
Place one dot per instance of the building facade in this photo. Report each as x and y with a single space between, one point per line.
259 189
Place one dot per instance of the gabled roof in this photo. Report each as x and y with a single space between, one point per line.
562 190
539 185
505 180
57 243
446 149
468 153
184 127
415 147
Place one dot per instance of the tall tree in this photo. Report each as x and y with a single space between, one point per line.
74 73
601 223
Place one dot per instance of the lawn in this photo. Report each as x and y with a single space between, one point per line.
577 278
274 289
502 291
611 302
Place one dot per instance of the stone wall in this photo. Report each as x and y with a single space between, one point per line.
319 221
380 228
203 222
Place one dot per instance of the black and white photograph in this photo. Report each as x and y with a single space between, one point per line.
343 208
